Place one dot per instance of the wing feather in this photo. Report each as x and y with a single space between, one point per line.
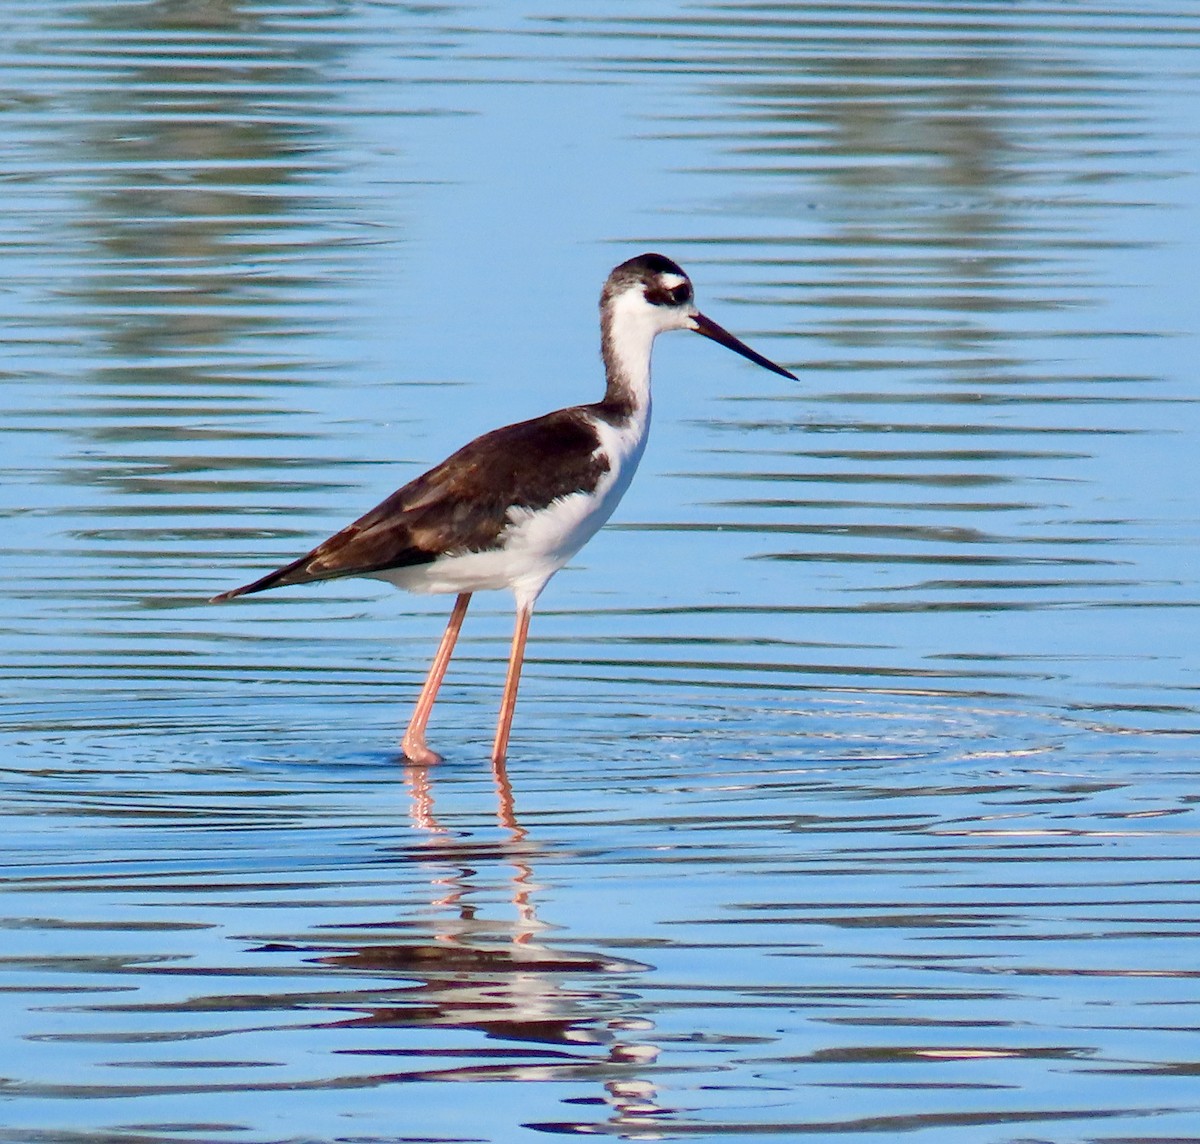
460 505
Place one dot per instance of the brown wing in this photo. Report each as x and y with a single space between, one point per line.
461 505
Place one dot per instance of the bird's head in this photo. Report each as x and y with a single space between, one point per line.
653 293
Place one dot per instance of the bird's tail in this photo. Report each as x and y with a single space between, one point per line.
294 573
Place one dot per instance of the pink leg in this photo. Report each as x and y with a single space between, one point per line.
413 744
511 683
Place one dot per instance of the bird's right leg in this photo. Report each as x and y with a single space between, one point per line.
413 744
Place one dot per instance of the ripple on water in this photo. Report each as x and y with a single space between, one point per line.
853 781
953 890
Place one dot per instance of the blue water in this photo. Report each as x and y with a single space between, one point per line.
852 783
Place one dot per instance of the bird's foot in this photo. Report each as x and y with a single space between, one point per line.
416 751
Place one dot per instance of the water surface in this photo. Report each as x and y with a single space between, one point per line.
852 786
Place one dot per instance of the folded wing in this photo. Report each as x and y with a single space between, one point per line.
461 505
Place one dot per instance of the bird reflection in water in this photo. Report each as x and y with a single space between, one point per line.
498 977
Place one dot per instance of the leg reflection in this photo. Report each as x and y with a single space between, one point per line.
447 961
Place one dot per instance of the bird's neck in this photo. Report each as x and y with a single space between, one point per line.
625 345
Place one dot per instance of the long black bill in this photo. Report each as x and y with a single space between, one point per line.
710 329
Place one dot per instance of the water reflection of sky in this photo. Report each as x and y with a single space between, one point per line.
854 759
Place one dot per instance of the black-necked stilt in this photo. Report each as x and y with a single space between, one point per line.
512 507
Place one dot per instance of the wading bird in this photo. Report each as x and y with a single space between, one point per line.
510 508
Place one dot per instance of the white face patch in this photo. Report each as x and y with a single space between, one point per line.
670 281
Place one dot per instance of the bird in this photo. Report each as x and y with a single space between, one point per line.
511 507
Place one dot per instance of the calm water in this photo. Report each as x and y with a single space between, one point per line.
853 788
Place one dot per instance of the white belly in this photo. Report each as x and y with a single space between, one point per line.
536 543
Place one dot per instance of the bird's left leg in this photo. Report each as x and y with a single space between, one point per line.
511 682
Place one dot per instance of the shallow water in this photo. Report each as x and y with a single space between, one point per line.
852 784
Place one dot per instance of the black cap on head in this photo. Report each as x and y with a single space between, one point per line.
646 265
648 270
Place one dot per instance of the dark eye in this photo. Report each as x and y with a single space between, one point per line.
660 295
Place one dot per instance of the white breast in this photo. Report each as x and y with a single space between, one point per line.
537 543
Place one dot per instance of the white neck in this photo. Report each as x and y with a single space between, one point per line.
627 332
